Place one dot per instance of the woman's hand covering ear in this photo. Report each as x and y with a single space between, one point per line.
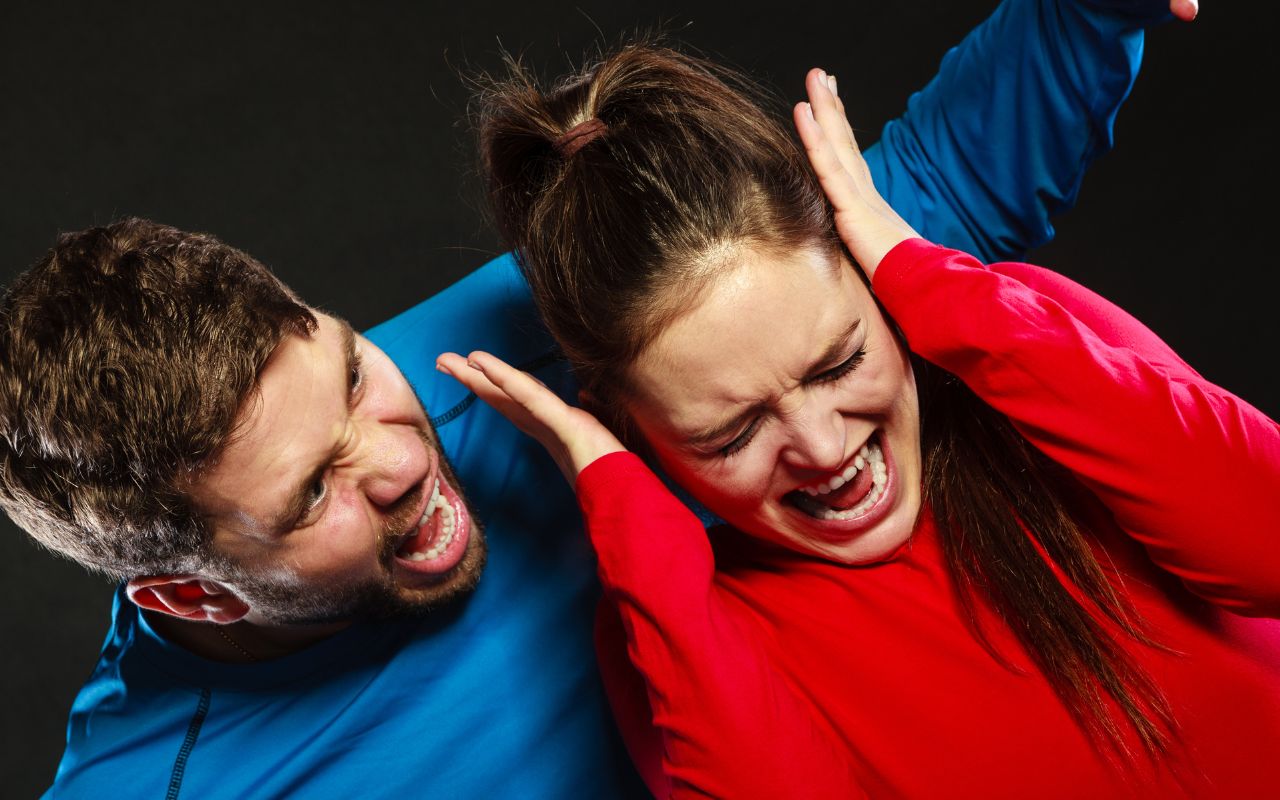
573 437
869 227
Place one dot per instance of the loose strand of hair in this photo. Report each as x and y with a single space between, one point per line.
981 514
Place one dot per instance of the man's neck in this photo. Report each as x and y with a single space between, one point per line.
240 642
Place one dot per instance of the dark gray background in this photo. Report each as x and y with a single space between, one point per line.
328 140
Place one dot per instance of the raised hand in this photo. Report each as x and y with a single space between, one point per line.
1185 10
867 224
573 437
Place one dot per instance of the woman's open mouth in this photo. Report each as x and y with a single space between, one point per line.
850 495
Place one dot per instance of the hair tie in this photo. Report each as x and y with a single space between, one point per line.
579 136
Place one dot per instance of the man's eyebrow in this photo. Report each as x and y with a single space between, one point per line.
287 518
831 356
349 351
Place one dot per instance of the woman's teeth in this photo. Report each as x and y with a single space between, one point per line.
437 504
827 487
869 456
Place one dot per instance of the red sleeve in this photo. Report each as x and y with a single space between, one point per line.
1188 469
727 724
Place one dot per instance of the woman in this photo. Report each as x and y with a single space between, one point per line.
958 509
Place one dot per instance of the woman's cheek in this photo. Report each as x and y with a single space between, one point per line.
748 475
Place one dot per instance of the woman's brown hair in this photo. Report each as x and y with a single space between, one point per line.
683 170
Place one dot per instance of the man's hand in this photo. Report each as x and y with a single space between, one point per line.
573 437
869 227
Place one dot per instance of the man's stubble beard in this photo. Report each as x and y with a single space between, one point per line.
283 600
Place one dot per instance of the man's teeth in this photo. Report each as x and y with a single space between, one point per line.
869 456
437 503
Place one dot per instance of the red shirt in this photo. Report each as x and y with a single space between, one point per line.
739 669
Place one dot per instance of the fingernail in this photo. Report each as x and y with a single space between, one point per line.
831 84
808 107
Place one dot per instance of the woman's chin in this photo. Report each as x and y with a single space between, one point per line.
871 530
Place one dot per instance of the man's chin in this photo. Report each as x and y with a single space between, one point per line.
385 599
419 594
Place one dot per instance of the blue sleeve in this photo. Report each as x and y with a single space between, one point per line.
999 140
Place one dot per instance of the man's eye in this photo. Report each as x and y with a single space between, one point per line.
316 494
357 375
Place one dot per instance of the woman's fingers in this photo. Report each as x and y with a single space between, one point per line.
831 171
866 223
573 437
507 388
456 367
517 384
828 111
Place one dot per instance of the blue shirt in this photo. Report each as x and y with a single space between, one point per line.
499 697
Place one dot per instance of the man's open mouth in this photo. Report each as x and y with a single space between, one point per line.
429 541
436 544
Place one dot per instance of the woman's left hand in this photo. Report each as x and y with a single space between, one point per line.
573 437
869 227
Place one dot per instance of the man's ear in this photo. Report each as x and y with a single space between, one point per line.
188 597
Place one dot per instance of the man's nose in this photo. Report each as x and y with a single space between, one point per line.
392 462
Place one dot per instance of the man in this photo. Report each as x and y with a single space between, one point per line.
297 557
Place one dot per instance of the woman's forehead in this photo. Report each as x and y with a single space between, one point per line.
755 331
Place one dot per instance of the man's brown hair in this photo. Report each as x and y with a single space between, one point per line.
126 354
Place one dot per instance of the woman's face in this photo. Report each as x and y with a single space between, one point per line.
782 400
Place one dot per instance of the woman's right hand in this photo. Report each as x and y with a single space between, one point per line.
573 437
869 227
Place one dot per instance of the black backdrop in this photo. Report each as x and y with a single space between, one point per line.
328 139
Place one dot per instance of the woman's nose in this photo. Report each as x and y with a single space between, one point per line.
817 438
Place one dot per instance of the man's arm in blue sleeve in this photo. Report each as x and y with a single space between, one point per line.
999 140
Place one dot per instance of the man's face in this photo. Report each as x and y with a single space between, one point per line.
324 503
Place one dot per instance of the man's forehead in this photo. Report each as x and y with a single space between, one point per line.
297 362
287 423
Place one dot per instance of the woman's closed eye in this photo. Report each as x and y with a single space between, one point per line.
842 369
741 440
829 376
